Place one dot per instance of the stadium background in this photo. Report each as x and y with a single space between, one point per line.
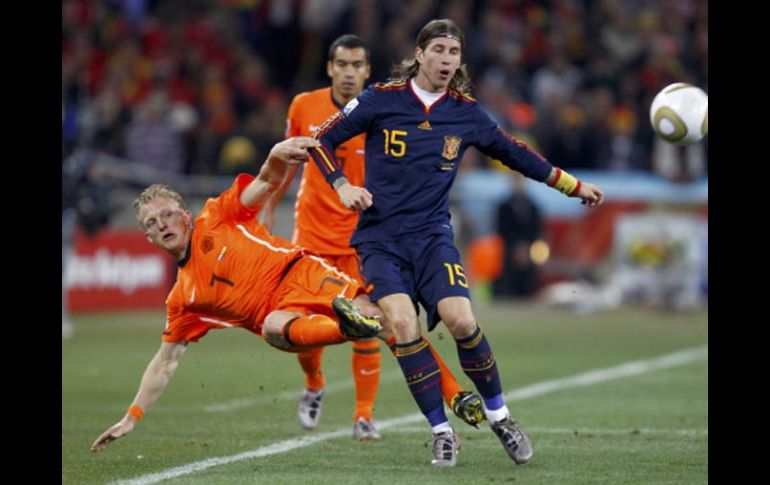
191 92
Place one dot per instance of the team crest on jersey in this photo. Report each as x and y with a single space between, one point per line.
451 147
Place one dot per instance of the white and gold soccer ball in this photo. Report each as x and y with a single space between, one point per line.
680 114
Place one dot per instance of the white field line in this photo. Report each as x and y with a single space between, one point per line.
577 431
629 369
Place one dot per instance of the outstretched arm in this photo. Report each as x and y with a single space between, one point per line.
155 379
291 151
498 144
267 215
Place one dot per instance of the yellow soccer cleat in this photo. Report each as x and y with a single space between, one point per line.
352 323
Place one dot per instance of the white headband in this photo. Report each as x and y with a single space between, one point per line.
450 36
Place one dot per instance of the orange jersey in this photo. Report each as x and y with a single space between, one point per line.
231 272
322 223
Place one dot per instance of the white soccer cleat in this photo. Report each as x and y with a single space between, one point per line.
364 430
445 445
310 408
514 440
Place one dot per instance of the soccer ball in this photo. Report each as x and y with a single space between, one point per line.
680 114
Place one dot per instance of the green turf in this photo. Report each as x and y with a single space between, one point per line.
651 428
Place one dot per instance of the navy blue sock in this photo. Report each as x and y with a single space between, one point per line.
479 364
422 376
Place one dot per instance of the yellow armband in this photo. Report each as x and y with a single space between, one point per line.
565 183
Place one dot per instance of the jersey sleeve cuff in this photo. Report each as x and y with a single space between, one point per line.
332 177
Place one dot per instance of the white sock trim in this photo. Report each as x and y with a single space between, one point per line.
442 428
495 415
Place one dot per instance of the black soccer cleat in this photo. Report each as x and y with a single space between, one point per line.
352 323
469 407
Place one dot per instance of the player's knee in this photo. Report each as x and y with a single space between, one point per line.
460 326
275 339
272 330
368 308
405 327
385 333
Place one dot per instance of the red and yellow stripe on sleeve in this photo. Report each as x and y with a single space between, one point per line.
327 163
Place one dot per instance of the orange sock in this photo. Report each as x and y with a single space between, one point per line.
313 331
310 361
366 373
449 385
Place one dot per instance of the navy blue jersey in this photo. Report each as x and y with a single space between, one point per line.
412 156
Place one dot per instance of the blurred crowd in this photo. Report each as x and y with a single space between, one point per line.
202 86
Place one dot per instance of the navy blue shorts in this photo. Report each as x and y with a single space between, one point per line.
427 268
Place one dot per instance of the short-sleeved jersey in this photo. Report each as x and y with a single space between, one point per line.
412 156
322 223
231 271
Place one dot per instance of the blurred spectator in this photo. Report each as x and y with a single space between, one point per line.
366 19
222 61
102 122
620 150
151 138
555 83
520 225
251 85
680 164
284 39
85 204
238 155
618 35
565 137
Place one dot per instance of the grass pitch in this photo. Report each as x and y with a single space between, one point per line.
233 394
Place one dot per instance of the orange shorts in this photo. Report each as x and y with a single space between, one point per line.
348 264
310 286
